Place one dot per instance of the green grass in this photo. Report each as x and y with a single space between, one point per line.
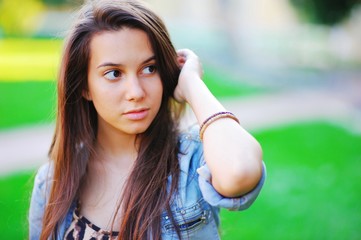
312 190
14 204
23 103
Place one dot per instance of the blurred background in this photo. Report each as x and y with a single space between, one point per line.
289 69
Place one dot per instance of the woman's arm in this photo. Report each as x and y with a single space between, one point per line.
233 156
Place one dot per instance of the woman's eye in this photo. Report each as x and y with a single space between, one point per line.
112 75
149 69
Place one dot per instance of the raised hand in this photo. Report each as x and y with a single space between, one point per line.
191 71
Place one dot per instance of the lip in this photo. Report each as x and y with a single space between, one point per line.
137 114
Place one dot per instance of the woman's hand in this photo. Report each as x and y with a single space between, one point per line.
191 70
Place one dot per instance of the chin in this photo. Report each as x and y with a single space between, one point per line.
138 129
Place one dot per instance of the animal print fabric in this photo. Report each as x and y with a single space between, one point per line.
82 229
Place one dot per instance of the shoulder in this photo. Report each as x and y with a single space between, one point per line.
190 134
42 183
39 197
189 138
190 148
44 175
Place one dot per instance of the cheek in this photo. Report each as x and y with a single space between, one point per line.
99 90
101 97
153 87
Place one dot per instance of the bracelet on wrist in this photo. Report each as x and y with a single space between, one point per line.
214 118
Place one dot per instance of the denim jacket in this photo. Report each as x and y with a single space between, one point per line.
195 206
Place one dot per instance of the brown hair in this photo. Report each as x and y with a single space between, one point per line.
145 194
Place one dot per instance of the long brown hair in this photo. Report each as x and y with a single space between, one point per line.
145 194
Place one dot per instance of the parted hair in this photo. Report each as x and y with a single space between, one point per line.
145 195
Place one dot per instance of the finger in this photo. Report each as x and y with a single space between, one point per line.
182 51
185 53
181 61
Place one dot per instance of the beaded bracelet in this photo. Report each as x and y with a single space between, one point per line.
214 118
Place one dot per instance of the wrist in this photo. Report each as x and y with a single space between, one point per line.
194 89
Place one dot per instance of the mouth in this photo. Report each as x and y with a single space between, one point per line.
137 114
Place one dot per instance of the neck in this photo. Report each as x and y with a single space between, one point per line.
115 147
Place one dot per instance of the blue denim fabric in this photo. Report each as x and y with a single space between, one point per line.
195 206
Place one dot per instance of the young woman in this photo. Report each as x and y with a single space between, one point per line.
120 168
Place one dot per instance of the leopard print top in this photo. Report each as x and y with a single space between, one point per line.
81 228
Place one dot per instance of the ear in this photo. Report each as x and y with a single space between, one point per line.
86 95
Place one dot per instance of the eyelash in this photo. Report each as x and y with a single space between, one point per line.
154 67
114 77
119 73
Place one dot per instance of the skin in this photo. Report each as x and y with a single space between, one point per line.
234 157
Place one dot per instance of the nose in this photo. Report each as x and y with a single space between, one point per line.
134 91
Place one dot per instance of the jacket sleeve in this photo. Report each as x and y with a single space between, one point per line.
217 200
204 180
38 202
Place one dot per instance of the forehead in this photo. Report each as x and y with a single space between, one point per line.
121 46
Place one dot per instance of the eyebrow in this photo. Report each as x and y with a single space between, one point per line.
110 64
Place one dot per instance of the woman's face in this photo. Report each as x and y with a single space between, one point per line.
123 81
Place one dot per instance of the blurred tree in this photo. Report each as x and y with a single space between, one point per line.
62 2
328 12
19 17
